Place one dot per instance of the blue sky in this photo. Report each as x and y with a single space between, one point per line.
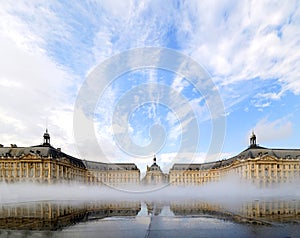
250 49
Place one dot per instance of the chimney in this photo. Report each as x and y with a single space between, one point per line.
59 149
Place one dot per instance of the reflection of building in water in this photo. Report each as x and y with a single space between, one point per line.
53 216
154 208
272 211
194 208
280 211
258 164
154 174
44 163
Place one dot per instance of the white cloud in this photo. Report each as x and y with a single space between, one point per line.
34 89
41 43
238 42
267 131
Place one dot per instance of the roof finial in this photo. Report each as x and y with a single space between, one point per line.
46 138
154 159
253 140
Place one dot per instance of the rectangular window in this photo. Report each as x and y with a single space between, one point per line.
266 172
31 172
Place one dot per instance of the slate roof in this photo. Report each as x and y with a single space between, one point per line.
154 167
109 166
253 151
40 151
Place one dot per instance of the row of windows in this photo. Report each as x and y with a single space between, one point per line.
118 175
272 174
195 174
19 164
19 173
278 166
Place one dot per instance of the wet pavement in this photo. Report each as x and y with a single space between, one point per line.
150 219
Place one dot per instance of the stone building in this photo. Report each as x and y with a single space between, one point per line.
263 166
44 163
117 174
40 163
154 175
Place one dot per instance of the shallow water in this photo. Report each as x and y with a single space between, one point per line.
159 218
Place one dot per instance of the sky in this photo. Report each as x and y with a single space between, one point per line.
247 54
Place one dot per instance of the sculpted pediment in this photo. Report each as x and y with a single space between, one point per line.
28 156
266 158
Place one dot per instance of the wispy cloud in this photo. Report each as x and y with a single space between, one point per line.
240 42
48 48
273 130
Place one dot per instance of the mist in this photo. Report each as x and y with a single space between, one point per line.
230 190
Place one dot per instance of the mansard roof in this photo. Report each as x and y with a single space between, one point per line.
47 151
109 166
256 151
42 151
198 166
250 153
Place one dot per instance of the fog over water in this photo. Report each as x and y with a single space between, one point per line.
230 208
227 191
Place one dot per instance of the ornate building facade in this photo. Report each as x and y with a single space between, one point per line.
154 175
262 166
46 164
118 174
